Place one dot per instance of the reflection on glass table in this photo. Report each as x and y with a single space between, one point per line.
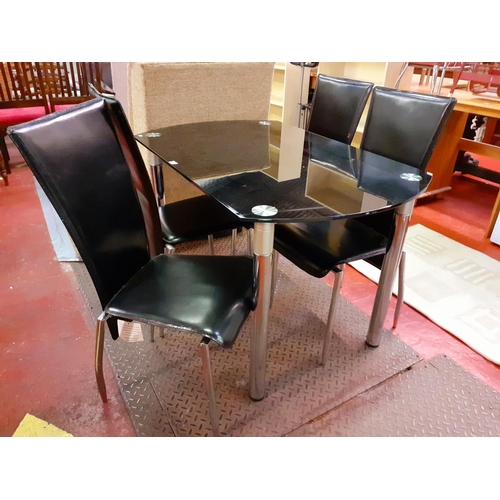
268 172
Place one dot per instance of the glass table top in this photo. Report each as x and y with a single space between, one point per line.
267 171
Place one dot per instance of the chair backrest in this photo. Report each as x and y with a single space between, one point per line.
68 82
87 162
21 86
337 106
405 126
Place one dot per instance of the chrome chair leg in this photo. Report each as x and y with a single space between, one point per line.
162 332
403 71
233 241
274 275
99 349
211 244
151 333
250 241
209 384
169 249
339 276
435 72
401 288
441 79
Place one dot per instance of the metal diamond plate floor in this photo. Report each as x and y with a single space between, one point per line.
162 383
434 398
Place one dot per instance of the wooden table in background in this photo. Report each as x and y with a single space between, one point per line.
442 162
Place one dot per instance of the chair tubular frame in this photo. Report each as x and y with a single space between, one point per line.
204 349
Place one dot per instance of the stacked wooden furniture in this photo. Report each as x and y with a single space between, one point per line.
31 90
22 98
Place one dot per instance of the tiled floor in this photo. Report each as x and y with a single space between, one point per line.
46 343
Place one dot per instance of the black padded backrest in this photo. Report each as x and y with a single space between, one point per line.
337 106
405 126
77 158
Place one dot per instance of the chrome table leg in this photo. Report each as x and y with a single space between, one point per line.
274 278
388 273
234 233
263 250
401 289
156 165
250 241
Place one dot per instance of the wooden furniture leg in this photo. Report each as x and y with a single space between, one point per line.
494 215
442 162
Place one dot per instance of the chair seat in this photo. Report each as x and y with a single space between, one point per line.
209 294
195 218
318 247
14 116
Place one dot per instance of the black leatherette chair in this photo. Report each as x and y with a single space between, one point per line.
403 126
88 163
337 106
191 219
195 219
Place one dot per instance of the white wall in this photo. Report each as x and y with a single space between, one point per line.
119 70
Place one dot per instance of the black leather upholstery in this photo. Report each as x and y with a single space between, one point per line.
337 106
309 246
209 294
78 162
405 126
87 162
194 219
402 126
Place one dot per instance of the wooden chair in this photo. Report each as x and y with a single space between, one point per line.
67 83
22 99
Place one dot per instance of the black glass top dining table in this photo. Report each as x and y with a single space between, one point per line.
267 172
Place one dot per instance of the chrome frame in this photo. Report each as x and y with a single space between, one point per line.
209 385
392 259
434 76
387 274
205 359
262 250
234 233
155 167
401 288
250 241
337 285
274 278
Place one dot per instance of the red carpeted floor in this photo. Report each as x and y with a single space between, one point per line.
47 345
